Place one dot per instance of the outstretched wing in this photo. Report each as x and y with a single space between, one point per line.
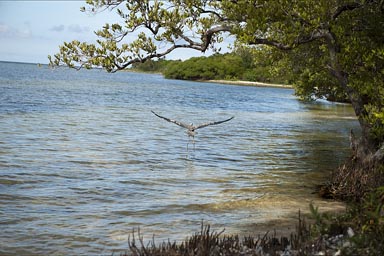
172 121
212 123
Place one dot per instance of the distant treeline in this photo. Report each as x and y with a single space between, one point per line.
242 64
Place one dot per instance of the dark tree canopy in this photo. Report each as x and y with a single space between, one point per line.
332 46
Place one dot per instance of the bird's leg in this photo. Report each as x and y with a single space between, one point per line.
191 134
191 139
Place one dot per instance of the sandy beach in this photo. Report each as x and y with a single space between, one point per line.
249 83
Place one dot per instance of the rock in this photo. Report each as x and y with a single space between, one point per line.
347 244
350 232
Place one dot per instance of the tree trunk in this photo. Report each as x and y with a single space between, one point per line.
363 147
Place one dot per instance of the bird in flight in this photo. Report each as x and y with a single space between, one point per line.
191 129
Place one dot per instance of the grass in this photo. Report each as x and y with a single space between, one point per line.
208 242
303 241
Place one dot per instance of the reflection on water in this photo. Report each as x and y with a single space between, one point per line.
83 160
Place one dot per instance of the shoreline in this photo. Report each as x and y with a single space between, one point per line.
221 81
248 83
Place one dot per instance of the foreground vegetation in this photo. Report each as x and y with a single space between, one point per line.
358 231
351 233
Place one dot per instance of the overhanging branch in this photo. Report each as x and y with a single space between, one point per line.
315 35
207 36
120 66
345 7
273 43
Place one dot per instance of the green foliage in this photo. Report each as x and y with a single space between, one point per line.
367 220
242 64
152 66
375 117
311 80
227 66
324 223
319 222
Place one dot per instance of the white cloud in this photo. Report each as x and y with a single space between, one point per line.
3 29
73 28
58 28
25 31
7 31
76 28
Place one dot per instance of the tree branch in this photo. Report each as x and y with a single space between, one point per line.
315 35
379 155
153 55
207 36
273 43
343 8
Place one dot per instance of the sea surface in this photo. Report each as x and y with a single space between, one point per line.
83 161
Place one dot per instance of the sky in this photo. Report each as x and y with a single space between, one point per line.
32 30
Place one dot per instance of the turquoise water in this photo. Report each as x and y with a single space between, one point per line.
83 161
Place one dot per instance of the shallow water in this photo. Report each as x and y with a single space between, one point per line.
83 160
